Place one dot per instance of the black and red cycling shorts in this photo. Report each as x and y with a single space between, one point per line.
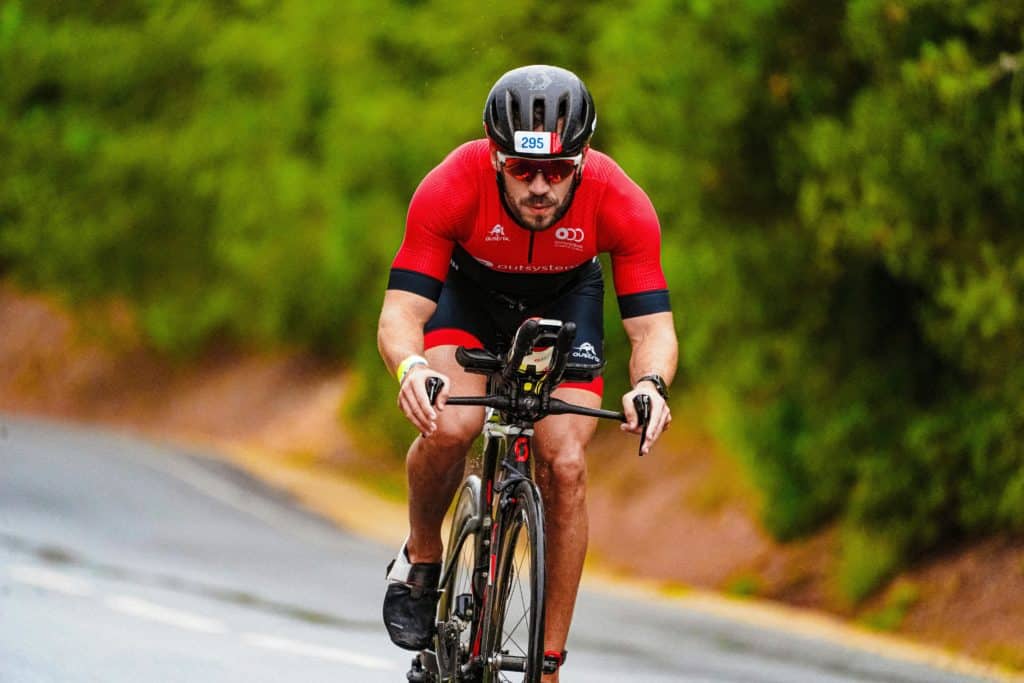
476 315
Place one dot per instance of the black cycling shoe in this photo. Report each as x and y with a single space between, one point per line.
410 604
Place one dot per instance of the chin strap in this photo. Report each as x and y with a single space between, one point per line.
553 660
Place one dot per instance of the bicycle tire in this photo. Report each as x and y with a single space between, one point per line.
453 638
515 632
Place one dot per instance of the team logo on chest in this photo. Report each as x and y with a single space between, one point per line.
570 238
497 234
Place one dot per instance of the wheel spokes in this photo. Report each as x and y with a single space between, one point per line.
515 627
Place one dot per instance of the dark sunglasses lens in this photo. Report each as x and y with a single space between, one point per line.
555 170
558 170
520 169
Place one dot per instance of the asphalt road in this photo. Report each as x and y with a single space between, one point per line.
124 560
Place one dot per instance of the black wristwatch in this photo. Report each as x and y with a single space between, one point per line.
658 382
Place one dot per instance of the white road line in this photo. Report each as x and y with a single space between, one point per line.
165 615
318 651
51 580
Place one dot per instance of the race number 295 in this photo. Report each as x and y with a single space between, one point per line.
533 143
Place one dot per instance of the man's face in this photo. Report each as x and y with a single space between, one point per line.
537 200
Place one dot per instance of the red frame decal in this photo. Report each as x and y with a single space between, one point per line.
522 449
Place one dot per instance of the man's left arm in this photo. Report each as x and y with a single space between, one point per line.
655 354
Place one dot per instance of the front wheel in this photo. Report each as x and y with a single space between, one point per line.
460 596
514 643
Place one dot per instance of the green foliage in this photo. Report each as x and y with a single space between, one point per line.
898 601
870 555
838 184
744 586
920 178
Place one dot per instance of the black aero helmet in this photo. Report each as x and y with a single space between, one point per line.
533 98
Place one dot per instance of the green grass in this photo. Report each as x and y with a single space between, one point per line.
744 586
867 560
898 602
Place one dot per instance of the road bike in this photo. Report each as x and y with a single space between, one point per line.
490 615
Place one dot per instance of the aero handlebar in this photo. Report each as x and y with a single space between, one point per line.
641 402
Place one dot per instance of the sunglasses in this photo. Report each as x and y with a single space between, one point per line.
555 170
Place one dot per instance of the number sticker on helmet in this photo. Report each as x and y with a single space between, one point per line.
529 142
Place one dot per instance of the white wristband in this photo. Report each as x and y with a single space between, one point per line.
408 364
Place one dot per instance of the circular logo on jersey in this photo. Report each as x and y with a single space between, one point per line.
570 234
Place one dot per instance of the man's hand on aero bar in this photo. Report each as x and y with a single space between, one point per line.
661 416
414 402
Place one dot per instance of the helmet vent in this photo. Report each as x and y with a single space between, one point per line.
513 112
538 114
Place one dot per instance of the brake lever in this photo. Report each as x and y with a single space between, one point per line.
642 403
434 386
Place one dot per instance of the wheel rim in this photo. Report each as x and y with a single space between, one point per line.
516 621
454 632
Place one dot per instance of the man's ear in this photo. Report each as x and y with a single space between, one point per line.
494 159
583 161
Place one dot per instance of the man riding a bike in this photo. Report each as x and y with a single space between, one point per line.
506 228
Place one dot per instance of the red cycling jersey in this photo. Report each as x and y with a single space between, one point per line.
458 204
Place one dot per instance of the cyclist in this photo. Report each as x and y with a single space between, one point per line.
505 228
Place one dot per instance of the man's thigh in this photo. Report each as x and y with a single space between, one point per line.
559 436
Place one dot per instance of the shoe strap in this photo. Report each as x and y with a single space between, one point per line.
420 577
400 567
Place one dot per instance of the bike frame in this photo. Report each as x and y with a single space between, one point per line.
507 459
519 394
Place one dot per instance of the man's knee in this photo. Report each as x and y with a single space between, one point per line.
568 468
456 429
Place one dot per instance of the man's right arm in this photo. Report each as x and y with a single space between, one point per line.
400 329
399 339
441 213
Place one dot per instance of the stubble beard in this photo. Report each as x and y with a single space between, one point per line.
535 222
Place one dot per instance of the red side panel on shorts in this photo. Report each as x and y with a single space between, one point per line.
594 386
450 335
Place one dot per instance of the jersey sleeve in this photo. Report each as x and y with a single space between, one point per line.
630 233
440 214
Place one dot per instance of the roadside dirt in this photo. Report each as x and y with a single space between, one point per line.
679 519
